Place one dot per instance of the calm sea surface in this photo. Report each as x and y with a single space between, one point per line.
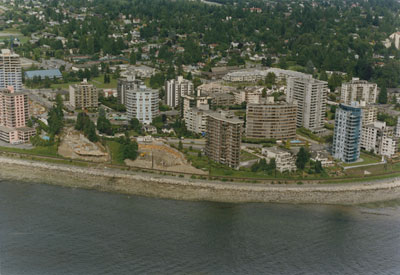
53 230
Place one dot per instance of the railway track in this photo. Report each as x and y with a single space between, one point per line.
200 176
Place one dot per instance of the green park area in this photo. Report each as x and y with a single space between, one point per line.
365 160
96 81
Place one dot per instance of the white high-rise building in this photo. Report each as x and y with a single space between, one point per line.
196 119
10 70
379 139
310 96
176 88
347 133
358 90
142 103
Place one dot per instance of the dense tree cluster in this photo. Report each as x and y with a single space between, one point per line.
303 157
112 102
103 124
128 148
335 35
83 123
56 117
263 165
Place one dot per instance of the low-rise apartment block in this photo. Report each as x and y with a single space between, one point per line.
379 139
249 96
398 127
284 159
222 99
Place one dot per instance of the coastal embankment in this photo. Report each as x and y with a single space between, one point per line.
157 185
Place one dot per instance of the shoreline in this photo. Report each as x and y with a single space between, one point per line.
155 185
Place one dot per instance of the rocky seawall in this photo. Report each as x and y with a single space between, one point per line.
111 180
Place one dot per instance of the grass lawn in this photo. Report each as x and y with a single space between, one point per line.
147 82
240 113
62 85
116 156
367 159
307 133
245 156
297 68
49 151
97 81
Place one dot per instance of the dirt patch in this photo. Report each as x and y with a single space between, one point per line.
163 157
75 145
36 109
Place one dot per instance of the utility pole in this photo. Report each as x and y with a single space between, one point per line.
152 160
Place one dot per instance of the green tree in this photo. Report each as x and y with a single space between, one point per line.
303 156
130 149
103 124
132 58
91 133
135 125
394 100
318 167
270 78
383 97
334 81
56 117
196 82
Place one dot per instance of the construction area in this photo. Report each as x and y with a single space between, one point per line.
75 145
158 155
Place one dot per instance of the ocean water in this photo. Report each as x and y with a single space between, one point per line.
54 230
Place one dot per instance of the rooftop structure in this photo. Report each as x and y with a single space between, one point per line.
42 74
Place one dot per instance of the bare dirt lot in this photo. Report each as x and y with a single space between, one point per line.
161 156
76 146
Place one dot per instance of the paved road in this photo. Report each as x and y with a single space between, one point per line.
35 95
364 165
197 144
